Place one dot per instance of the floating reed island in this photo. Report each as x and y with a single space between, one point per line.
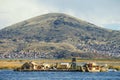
72 66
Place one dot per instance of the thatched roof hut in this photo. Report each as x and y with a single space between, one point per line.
30 66
63 66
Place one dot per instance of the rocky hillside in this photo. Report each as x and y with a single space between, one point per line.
57 35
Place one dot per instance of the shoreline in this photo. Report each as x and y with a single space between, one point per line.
15 63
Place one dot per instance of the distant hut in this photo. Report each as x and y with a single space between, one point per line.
63 66
104 68
46 66
91 67
30 66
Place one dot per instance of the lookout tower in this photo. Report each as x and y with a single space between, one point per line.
74 63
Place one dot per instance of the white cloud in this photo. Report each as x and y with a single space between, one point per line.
12 11
99 12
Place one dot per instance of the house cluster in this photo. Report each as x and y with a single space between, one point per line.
45 66
72 66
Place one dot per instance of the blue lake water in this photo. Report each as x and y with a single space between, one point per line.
11 75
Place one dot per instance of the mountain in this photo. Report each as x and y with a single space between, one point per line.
58 35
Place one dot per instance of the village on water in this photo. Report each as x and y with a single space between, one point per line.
72 66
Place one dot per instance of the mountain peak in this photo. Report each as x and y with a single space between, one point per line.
55 29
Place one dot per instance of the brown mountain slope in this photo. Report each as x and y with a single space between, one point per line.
87 40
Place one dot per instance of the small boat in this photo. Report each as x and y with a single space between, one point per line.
112 70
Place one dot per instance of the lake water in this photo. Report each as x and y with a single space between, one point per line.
11 75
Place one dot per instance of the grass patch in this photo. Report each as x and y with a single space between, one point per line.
114 67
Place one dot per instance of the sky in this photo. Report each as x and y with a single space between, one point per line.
103 13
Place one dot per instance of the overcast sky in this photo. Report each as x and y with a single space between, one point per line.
104 13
